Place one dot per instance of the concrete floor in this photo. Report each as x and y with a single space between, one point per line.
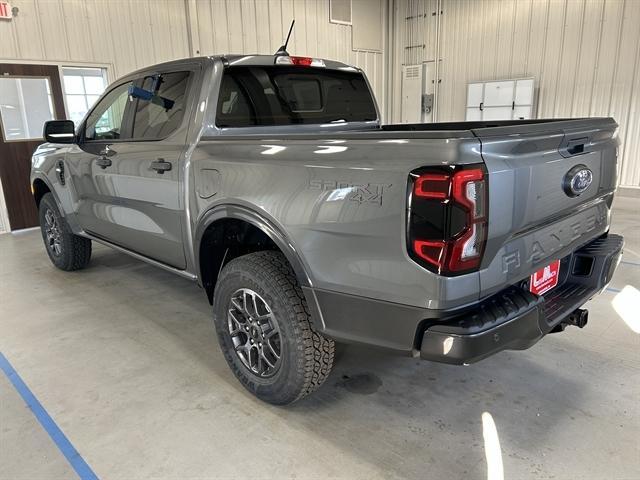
124 359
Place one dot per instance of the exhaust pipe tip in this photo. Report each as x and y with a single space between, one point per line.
578 318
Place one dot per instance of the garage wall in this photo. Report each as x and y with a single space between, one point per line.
123 34
129 34
584 54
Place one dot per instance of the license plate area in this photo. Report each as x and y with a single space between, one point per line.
545 279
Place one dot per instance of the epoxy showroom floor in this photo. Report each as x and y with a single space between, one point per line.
123 358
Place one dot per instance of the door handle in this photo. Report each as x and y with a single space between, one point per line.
160 166
103 162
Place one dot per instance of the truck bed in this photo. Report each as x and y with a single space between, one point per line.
421 127
417 130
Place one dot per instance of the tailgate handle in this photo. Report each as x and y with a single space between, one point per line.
576 145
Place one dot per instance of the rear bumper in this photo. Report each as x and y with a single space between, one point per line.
511 319
515 319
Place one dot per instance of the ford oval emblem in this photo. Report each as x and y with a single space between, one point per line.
577 180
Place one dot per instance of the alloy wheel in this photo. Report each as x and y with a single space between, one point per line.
254 331
52 233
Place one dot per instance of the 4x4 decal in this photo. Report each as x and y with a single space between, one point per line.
354 192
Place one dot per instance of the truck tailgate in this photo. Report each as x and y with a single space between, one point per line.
534 216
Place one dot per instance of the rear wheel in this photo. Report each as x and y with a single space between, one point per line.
265 332
66 250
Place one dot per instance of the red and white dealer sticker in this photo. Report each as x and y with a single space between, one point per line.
545 279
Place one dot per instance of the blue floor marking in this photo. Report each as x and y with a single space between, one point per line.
62 442
614 290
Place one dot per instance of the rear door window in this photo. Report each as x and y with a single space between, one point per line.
162 114
277 95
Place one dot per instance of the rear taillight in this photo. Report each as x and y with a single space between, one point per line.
447 227
433 185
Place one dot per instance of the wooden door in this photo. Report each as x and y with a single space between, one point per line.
17 142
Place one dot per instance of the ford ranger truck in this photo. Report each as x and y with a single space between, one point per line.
270 181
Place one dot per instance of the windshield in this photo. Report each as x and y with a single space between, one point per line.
277 95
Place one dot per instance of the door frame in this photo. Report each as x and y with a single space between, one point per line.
111 77
5 226
65 63
15 168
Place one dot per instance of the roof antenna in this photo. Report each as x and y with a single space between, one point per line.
282 51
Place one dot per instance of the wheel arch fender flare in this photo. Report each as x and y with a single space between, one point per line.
44 179
270 228
58 197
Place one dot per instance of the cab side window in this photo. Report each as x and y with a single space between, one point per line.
162 114
105 122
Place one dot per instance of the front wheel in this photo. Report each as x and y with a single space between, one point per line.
265 332
66 250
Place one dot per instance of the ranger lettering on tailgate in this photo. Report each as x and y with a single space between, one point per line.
556 240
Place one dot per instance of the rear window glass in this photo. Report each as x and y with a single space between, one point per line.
280 95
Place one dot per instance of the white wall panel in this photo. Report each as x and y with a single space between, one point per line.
584 54
126 34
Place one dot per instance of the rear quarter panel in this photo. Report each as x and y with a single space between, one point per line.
341 204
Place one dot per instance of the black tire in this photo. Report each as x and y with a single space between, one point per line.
306 356
67 251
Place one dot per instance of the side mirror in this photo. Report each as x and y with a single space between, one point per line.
59 131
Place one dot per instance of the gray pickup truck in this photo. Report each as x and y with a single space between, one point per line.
270 181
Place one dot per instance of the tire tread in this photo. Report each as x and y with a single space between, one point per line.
76 252
317 350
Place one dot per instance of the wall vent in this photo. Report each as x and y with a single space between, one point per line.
412 72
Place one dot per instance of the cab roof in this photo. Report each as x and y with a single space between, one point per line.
233 60
266 60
